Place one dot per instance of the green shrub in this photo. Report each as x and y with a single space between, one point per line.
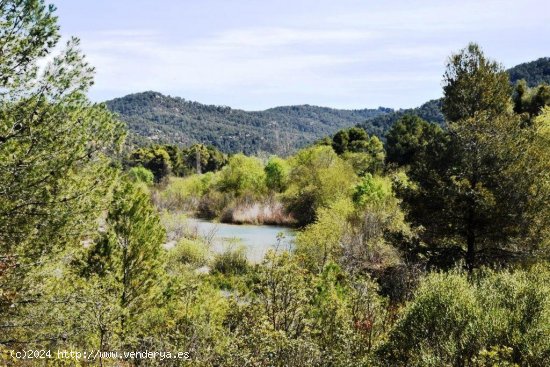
232 261
242 176
185 193
188 252
496 318
141 174
318 178
276 174
517 314
439 327
321 241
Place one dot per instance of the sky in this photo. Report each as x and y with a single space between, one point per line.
259 54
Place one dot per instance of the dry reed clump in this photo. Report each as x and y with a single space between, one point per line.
257 213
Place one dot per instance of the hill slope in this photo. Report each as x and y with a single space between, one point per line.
153 117
534 72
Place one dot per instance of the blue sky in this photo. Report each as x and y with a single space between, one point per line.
259 54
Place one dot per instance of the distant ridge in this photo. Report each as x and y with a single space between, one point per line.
534 72
156 118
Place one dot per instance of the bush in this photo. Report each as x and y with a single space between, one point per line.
232 261
318 178
185 193
498 316
188 252
243 176
321 241
140 174
439 327
276 174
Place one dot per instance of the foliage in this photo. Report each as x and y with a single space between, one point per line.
473 83
183 193
321 241
364 153
408 137
155 159
87 262
242 176
55 180
377 225
531 100
318 177
141 175
209 158
476 188
454 321
128 255
231 261
188 252
276 174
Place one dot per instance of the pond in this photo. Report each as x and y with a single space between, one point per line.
256 239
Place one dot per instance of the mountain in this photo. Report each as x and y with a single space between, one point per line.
534 72
429 111
156 118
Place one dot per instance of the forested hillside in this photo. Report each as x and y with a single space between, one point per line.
155 118
429 111
534 72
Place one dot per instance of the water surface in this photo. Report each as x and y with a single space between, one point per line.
256 239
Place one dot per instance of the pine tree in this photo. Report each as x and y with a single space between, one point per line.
481 188
55 174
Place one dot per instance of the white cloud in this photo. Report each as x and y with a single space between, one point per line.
350 57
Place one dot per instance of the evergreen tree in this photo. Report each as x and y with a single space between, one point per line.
473 83
477 188
128 257
55 173
408 137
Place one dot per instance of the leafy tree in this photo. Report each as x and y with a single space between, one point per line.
242 175
29 32
473 83
354 140
480 192
276 174
322 241
531 100
176 159
364 153
408 137
210 158
318 177
155 159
